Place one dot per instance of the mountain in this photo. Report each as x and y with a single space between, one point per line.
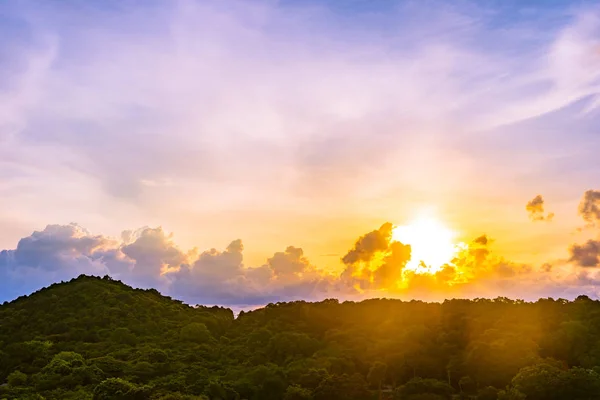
97 338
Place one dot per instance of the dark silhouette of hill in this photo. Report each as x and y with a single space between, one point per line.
97 338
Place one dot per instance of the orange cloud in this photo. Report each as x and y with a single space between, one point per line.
535 208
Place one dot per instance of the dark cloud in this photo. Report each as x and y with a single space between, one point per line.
587 254
368 245
481 240
589 207
535 208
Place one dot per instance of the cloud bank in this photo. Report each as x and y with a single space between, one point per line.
149 257
374 266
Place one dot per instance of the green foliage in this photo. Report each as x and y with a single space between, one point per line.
467 385
179 396
377 373
64 362
195 332
511 394
487 393
550 382
342 387
123 336
17 379
110 366
295 392
216 390
94 338
419 388
119 389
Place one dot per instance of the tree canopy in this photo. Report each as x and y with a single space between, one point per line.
96 338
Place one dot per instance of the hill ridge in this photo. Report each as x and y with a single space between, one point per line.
98 338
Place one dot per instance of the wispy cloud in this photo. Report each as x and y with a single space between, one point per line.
208 91
193 113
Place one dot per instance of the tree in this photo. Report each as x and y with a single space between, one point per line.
124 336
110 366
420 386
66 341
487 393
549 382
17 379
216 390
538 382
377 375
342 387
511 394
64 362
195 332
294 392
467 385
119 389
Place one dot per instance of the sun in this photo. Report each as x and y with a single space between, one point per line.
432 244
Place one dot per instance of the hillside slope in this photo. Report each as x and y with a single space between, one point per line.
96 338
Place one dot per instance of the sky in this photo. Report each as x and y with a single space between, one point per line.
245 152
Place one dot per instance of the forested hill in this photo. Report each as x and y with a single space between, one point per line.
96 338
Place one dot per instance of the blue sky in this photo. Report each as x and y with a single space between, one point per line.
293 123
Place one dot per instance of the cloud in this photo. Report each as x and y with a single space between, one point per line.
55 253
214 276
535 208
375 261
589 207
148 257
172 111
389 273
481 240
367 246
475 269
587 254
376 266
290 263
265 98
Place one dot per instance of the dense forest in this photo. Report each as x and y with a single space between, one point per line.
96 338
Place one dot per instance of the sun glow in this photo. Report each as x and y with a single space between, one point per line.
432 244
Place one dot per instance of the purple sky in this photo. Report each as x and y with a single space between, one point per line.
292 125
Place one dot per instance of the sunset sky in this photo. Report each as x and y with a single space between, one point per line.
243 152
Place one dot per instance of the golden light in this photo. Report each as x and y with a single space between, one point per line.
432 244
